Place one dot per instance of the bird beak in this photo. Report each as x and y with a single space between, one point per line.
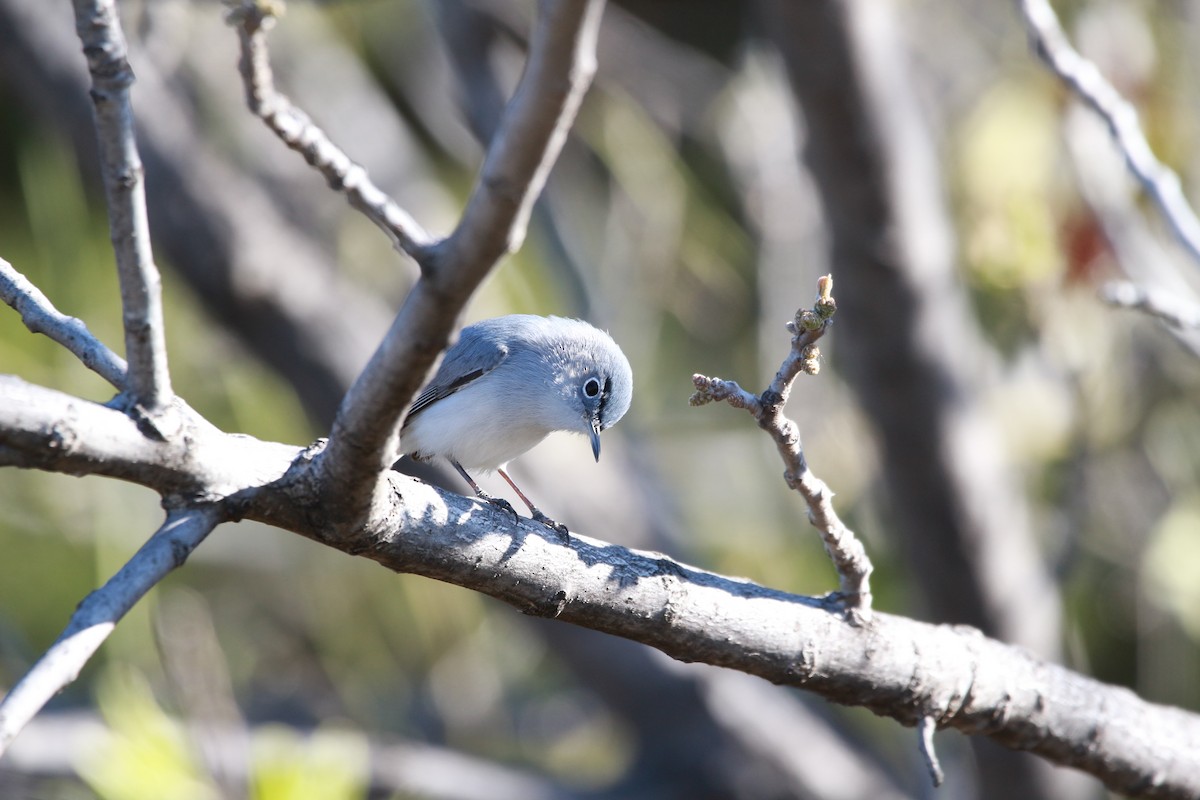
594 433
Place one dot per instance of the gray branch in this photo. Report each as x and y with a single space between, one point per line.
1155 283
1083 78
925 730
298 132
843 547
1166 307
141 287
559 70
895 667
95 617
45 429
40 316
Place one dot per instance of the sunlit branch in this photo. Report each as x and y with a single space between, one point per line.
1165 307
559 69
99 30
297 130
95 617
40 316
1082 76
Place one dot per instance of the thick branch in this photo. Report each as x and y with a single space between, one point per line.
45 429
95 617
560 67
896 667
141 287
562 62
40 316
1082 76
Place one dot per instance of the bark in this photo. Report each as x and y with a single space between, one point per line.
896 667
907 343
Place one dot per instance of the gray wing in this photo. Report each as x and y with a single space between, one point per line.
477 352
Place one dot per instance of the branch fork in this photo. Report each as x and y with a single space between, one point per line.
562 62
844 549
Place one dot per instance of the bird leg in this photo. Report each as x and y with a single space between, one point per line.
499 502
534 511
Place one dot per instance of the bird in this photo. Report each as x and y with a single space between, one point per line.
509 382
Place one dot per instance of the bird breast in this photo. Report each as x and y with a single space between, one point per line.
475 427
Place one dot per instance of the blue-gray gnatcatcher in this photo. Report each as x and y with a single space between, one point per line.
509 382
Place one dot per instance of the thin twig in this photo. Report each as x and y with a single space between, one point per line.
1150 265
846 551
925 730
99 612
99 29
1168 308
253 19
40 316
1082 76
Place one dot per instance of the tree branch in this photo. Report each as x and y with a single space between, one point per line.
1082 77
1155 283
1166 307
40 316
896 667
909 346
925 730
253 19
103 41
259 271
849 558
98 614
560 66
908 670
893 666
49 430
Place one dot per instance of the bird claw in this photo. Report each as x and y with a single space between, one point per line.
503 505
537 515
557 527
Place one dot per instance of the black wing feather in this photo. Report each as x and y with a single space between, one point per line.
472 357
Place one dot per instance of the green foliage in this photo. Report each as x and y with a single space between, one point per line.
324 764
147 755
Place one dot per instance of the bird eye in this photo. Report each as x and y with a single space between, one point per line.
592 387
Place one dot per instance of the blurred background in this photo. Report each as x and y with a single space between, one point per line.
1016 455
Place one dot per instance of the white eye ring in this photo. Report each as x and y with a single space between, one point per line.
591 387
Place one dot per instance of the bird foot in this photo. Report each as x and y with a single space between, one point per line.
502 504
557 527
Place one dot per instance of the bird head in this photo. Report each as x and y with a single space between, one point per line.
595 380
